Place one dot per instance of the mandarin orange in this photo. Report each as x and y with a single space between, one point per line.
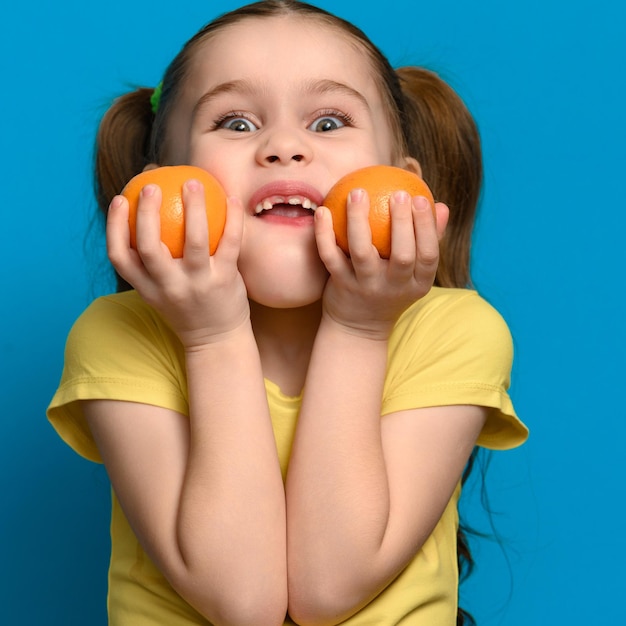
380 182
171 179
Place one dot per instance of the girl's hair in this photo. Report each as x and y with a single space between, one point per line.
429 121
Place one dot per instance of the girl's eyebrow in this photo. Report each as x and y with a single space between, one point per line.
326 85
240 86
314 87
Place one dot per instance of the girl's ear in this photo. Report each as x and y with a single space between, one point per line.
411 164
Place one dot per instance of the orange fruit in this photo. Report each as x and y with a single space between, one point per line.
171 179
380 182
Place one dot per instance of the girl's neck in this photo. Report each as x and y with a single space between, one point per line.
285 339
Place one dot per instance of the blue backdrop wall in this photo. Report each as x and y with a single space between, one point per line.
546 82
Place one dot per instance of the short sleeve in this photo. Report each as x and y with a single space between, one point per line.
450 348
118 349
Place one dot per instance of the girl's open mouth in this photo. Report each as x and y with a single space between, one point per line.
286 206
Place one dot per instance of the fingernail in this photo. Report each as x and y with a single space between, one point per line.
420 203
148 191
356 195
117 201
401 197
193 185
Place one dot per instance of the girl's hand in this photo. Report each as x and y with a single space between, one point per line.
202 297
366 293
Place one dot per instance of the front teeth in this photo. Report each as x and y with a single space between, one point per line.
268 203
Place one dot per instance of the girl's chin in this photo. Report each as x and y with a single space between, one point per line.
286 285
278 304
287 296
281 267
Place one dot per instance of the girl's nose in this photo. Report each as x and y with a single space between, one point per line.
283 147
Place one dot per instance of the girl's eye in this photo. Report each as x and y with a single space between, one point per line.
327 122
237 124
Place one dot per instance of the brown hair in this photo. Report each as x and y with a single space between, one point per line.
429 121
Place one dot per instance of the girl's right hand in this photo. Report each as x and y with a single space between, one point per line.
198 487
202 297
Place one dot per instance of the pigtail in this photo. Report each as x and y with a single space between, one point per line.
442 135
122 148
122 144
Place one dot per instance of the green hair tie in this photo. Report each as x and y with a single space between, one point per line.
155 98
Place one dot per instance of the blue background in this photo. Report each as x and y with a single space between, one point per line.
546 81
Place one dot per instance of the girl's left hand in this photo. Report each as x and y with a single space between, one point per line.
366 293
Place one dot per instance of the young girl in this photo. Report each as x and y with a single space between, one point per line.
285 427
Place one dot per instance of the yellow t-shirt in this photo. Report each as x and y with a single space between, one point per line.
451 347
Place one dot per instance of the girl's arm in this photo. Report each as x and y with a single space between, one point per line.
203 494
365 492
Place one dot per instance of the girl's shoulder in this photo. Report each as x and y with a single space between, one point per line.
453 310
120 318
116 306
454 347
124 333
118 349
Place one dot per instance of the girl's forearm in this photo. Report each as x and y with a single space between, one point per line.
232 508
337 491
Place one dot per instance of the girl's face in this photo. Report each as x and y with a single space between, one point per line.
278 109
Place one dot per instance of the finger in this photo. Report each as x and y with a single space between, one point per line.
403 246
358 227
118 230
196 247
331 254
124 259
442 216
230 242
148 227
427 239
